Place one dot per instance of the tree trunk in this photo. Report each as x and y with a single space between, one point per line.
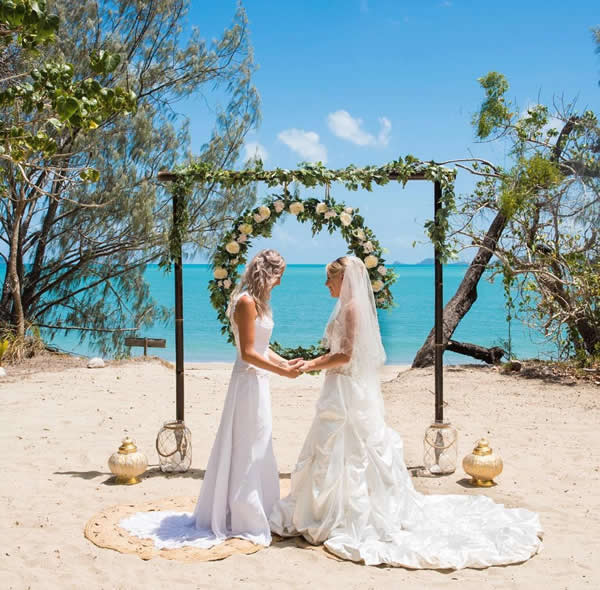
465 295
17 316
492 355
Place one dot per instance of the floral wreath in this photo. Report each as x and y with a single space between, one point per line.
326 214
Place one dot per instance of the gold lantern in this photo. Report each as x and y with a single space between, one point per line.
127 463
482 465
440 450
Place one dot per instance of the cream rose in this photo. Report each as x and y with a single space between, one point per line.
220 273
330 214
349 210
321 208
232 247
258 218
359 233
371 261
345 218
245 228
296 208
368 247
264 212
377 285
279 206
382 270
227 284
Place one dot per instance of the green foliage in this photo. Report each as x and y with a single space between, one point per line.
50 100
494 112
311 175
27 20
549 198
520 186
94 215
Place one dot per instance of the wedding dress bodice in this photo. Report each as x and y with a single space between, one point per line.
263 327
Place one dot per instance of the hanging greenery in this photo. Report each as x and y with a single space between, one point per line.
321 214
352 178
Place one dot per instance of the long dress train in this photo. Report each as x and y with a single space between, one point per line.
351 489
241 483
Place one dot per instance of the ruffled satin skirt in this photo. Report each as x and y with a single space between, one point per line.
351 491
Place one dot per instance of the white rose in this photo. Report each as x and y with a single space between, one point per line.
368 247
382 270
264 212
377 285
330 214
245 228
321 207
296 208
279 205
232 247
227 284
371 261
220 273
359 233
346 219
349 210
242 238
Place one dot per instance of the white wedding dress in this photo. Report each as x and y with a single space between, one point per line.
350 487
241 483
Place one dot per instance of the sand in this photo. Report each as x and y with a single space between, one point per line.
60 426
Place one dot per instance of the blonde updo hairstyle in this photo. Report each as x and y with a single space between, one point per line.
258 279
337 266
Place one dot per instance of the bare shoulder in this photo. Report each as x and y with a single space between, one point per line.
245 306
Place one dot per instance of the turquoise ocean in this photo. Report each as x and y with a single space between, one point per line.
302 305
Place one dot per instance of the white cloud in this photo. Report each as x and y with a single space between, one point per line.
254 150
344 125
304 143
383 138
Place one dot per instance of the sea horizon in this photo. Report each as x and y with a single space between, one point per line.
302 305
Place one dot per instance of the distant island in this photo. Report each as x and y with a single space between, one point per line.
430 261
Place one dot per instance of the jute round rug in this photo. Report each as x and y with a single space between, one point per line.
104 531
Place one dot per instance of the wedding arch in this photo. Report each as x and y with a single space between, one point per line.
323 214
309 176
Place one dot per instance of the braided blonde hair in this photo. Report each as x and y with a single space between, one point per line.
258 278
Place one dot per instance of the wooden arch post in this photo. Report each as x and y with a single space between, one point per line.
168 176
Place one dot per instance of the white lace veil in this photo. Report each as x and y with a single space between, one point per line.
353 327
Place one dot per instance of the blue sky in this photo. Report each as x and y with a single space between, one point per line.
366 81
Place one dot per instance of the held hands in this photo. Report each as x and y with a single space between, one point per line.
289 370
300 365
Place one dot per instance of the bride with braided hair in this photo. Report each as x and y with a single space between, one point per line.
241 483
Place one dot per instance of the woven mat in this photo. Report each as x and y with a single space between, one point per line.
104 531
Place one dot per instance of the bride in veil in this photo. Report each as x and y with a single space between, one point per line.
350 487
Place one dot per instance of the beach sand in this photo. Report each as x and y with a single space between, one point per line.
60 426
